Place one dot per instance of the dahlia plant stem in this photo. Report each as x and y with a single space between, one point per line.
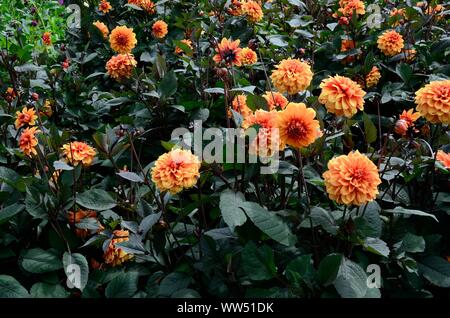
301 181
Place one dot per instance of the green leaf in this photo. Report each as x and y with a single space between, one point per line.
44 290
11 288
300 269
122 286
408 212
351 281
377 246
413 243
436 270
96 199
148 222
172 283
255 102
131 176
230 202
39 261
12 178
323 218
270 223
372 217
405 71
186 293
370 131
258 262
329 268
7 213
61 165
77 269
168 85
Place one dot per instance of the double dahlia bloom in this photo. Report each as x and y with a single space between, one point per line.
25 117
347 7
114 255
444 158
122 39
77 152
352 179
252 10
248 56
102 28
275 100
390 43
187 42
28 141
176 170
292 76
433 101
80 215
47 38
373 77
239 104
121 66
159 29
342 96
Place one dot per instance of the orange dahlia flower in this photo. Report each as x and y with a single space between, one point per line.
25 117
409 116
347 7
122 39
102 28
390 43
104 6
159 29
253 11
342 96
265 143
77 152
248 56
114 255
433 101
47 108
78 216
28 141
409 55
10 94
147 5
179 50
401 127
176 170
275 100
352 179
373 77
47 38
444 158
239 104
292 76
400 16
297 125
121 66
229 52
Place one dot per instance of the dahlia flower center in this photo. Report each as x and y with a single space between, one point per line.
358 175
297 129
229 55
122 39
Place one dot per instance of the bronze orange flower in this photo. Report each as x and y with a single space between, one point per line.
28 141
433 101
275 100
292 76
122 39
248 56
102 28
25 117
444 158
390 43
228 52
114 255
159 29
121 66
77 152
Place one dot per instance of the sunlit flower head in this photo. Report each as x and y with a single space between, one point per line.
81 215
47 38
342 96
122 39
121 66
228 52
390 43
347 7
104 6
291 76
148 5
252 10
298 126
102 28
239 104
114 255
76 152
248 56
373 77
28 141
176 170
444 158
25 117
352 179
433 101
275 100
410 116
187 42
159 29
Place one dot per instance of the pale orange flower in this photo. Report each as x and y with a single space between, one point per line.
77 152
373 77
297 125
291 76
401 127
114 255
28 141
400 15
102 28
433 101
351 179
180 50
347 7
148 5
275 100
267 141
121 66
430 9
25 117
410 116
47 38
78 216
122 39
229 52
390 43
444 158
176 170
248 56
253 11
104 6
159 29
342 96
239 104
